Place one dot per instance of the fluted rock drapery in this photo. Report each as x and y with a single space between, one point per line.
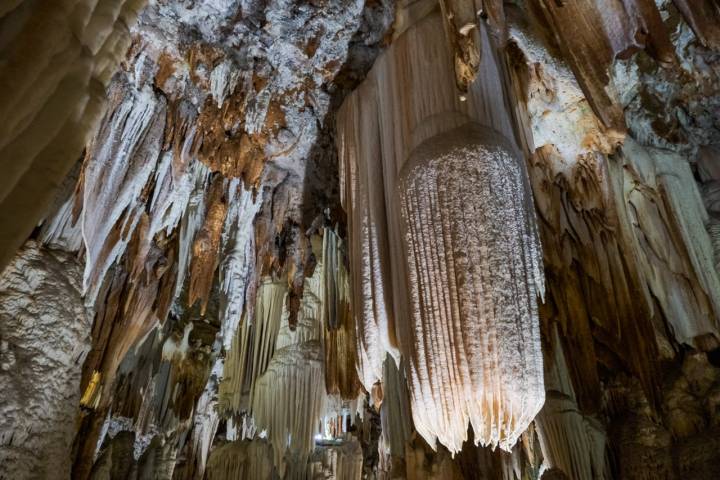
458 282
473 257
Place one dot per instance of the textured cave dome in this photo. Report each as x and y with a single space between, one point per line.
473 265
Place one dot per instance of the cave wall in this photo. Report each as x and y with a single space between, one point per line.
58 57
44 338
205 174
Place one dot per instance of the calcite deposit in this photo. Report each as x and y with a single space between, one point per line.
473 269
360 239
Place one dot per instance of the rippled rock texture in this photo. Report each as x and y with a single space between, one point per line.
44 338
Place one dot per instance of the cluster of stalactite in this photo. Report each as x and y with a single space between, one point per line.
508 235
189 192
273 377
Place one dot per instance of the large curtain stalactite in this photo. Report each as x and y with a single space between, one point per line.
473 271
385 127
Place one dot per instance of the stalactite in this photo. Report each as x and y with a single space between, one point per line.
191 221
308 326
128 231
158 461
60 228
430 465
238 253
570 441
206 247
120 162
461 30
368 251
594 280
395 420
709 175
493 376
116 460
288 401
665 208
343 462
206 420
241 459
622 250
339 339
252 349
703 16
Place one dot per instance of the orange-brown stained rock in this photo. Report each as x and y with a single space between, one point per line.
592 276
298 263
578 30
206 248
166 288
495 12
703 16
178 127
205 55
650 30
340 364
166 69
226 147
340 355
461 31
339 337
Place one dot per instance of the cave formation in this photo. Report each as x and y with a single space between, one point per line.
356 239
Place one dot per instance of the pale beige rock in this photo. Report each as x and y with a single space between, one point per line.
57 59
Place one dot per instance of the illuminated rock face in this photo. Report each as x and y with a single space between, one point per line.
473 271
